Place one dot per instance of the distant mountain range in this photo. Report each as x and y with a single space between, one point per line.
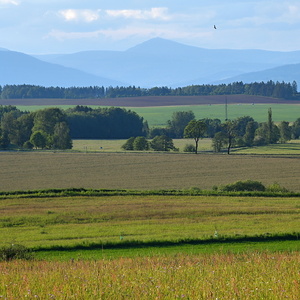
157 62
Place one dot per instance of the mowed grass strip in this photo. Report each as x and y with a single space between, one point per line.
47 222
142 171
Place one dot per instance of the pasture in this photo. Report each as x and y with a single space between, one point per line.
157 116
142 171
67 221
158 110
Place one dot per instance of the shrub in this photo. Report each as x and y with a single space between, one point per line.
276 188
15 251
162 143
189 148
140 143
128 144
28 145
239 186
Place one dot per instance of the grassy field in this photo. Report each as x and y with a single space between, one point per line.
290 148
69 221
142 171
116 145
105 268
158 116
265 270
245 276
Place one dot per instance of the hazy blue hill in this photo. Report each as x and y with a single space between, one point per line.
19 68
156 62
161 62
287 73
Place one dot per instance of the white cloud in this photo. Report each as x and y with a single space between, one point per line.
85 15
291 14
160 13
130 31
13 2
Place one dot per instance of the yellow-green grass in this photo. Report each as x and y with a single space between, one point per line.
142 171
220 276
158 116
40 222
290 148
116 145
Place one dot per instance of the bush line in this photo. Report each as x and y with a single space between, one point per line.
124 192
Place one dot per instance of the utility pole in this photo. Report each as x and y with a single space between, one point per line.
226 112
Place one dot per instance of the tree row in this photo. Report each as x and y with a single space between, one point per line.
270 89
53 128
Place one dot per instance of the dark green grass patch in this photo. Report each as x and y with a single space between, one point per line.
189 249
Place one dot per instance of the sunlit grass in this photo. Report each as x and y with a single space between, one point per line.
254 275
77 220
158 116
116 145
290 148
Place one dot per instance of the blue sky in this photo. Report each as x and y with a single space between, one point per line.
67 26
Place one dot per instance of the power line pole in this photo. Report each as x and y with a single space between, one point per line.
226 111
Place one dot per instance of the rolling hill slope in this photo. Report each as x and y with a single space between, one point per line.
19 68
160 62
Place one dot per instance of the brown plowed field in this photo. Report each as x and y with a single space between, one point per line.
150 101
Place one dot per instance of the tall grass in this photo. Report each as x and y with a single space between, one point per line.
221 276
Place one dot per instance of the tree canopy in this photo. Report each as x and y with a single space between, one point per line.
270 88
195 130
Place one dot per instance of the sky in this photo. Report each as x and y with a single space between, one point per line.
68 26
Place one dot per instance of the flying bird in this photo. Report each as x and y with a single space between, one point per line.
215 27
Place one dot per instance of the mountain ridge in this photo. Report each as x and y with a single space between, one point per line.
161 62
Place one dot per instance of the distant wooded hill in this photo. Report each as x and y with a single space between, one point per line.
268 89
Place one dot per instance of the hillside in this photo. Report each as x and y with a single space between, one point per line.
19 68
287 73
156 62
160 62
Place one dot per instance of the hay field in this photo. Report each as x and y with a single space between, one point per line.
145 171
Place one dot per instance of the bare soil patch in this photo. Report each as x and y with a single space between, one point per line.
151 101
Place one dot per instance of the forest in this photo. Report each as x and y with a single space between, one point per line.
269 89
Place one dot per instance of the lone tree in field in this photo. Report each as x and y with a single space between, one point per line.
195 130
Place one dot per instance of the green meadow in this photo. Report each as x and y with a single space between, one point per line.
112 222
158 116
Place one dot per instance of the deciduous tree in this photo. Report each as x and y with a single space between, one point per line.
195 130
